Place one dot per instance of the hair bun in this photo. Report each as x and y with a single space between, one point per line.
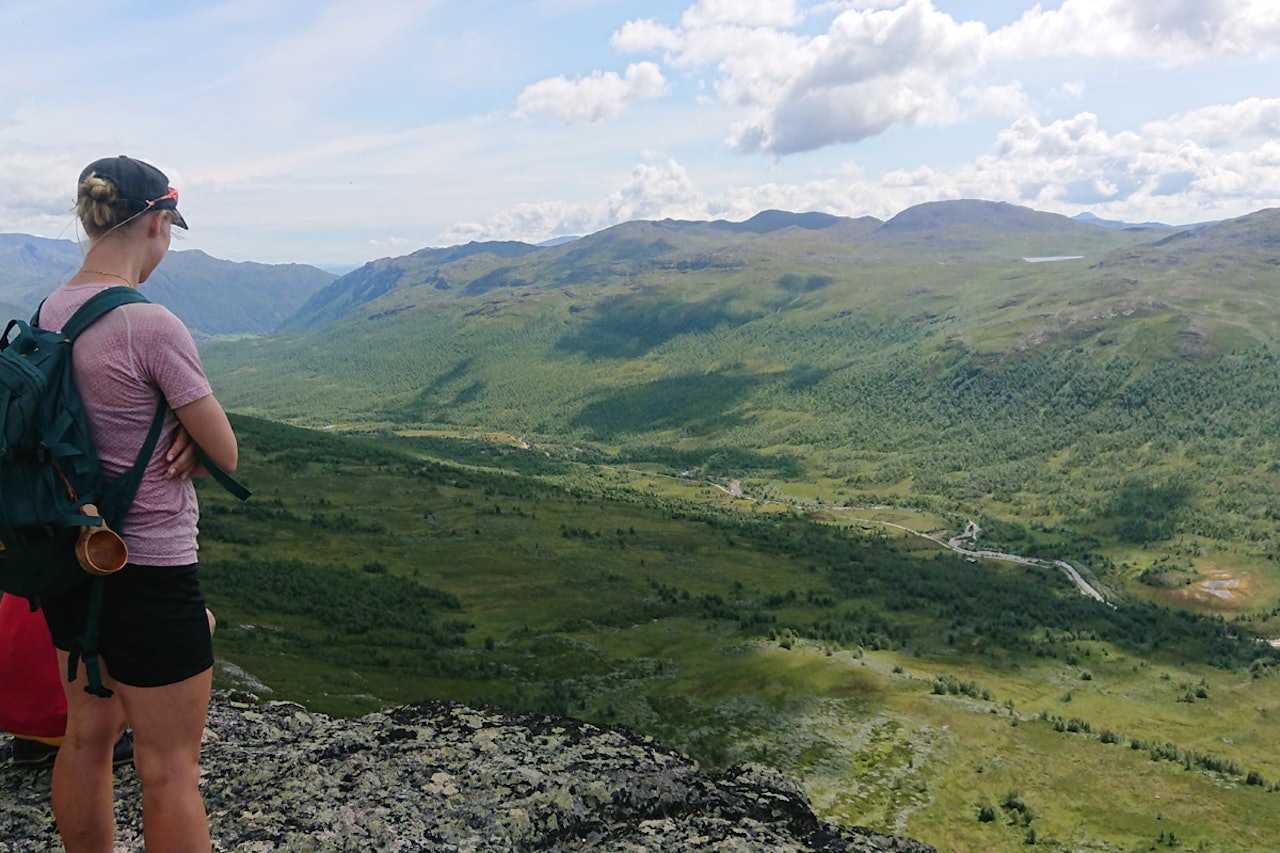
100 189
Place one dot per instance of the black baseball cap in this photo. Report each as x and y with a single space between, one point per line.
141 186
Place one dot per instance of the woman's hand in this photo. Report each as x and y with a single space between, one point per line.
208 426
183 464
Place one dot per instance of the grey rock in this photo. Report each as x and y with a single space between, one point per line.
439 776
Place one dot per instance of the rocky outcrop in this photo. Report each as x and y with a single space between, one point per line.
444 777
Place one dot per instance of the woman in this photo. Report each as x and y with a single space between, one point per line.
154 644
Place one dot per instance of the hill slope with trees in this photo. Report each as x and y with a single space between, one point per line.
1103 395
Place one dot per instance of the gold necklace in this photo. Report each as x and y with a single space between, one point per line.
111 274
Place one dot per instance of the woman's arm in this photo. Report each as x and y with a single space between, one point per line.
207 424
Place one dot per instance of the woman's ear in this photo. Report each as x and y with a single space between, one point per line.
156 222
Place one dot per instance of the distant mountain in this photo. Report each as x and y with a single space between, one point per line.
213 297
976 215
1196 256
378 278
556 241
448 333
30 267
775 220
216 297
1256 232
972 225
642 248
339 269
1092 219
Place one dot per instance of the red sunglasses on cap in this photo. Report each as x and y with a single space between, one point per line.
171 194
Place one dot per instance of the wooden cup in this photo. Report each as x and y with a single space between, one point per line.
100 550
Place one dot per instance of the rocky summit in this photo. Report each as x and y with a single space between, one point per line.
438 776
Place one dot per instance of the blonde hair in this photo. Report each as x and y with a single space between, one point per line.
99 206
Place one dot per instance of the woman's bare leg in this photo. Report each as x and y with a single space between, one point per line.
82 781
168 723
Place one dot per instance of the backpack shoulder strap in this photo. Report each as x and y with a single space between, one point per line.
231 484
118 496
96 306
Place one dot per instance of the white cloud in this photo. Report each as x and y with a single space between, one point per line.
1197 162
1205 164
602 96
1222 125
320 130
654 190
747 13
1173 31
39 195
1007 100
873 68
1072 89
531 222
885 63
642 35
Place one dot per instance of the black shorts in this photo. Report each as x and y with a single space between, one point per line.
154 627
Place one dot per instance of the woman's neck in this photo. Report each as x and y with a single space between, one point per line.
107 262
96 274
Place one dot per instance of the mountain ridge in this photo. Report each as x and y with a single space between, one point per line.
214 297
642 246
188 281
965 231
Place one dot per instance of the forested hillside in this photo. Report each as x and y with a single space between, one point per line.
1096 394
913 690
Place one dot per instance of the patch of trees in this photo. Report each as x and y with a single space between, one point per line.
382 607
1003 608
714 461
1190 759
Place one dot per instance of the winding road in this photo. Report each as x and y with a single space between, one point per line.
970 534
971 531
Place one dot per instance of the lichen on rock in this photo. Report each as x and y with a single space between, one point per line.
438 776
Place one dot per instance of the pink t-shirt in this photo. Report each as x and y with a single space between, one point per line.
123 364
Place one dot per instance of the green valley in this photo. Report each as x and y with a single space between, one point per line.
697 479
973 705
1116 410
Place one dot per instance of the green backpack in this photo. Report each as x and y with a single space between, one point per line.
49 469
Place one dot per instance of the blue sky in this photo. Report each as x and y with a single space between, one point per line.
338 132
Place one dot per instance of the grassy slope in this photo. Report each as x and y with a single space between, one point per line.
348 579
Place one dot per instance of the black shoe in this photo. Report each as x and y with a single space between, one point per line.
122 753
33 753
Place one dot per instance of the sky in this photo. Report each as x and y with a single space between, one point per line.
331 132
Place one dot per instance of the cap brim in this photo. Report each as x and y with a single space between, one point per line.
176 218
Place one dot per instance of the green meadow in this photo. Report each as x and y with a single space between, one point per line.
976 706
